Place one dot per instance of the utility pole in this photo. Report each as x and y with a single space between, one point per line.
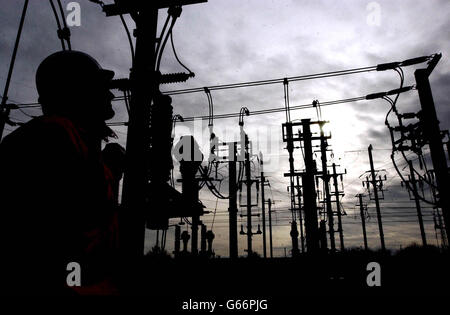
413 182
135 182
437 215
432 135
337 195
374 183
309 195
269 203
144 90
263 205
290 148
326 183
362 209
232 208
248 182
249 197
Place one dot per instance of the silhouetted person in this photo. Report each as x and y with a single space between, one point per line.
56 193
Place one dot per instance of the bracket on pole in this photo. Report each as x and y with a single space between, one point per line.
127 6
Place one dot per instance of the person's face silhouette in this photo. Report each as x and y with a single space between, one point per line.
94 101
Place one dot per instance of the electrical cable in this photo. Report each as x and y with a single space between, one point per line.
394 109
254 83
176 56
130 41
274 81
58 24
127 104
158 46
215 210
174 12
211 186
5 110
65 33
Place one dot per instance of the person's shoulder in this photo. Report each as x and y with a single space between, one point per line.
37 126
21 133
54 131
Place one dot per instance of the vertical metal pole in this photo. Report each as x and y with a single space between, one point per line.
300 215
417 201
432 134
135 185
377 202
338 208
195 223
263 207
4 110
290 148
232 208
326 182
363 220
309 195
439 217
249 196
270 227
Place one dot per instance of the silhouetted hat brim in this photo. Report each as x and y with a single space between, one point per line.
107 74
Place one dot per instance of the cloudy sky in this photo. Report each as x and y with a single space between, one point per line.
228 41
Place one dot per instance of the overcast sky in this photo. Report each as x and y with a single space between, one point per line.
228 41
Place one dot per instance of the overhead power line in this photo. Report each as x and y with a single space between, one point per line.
321 75
273 81
263 111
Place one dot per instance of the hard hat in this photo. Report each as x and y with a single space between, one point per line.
64 73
